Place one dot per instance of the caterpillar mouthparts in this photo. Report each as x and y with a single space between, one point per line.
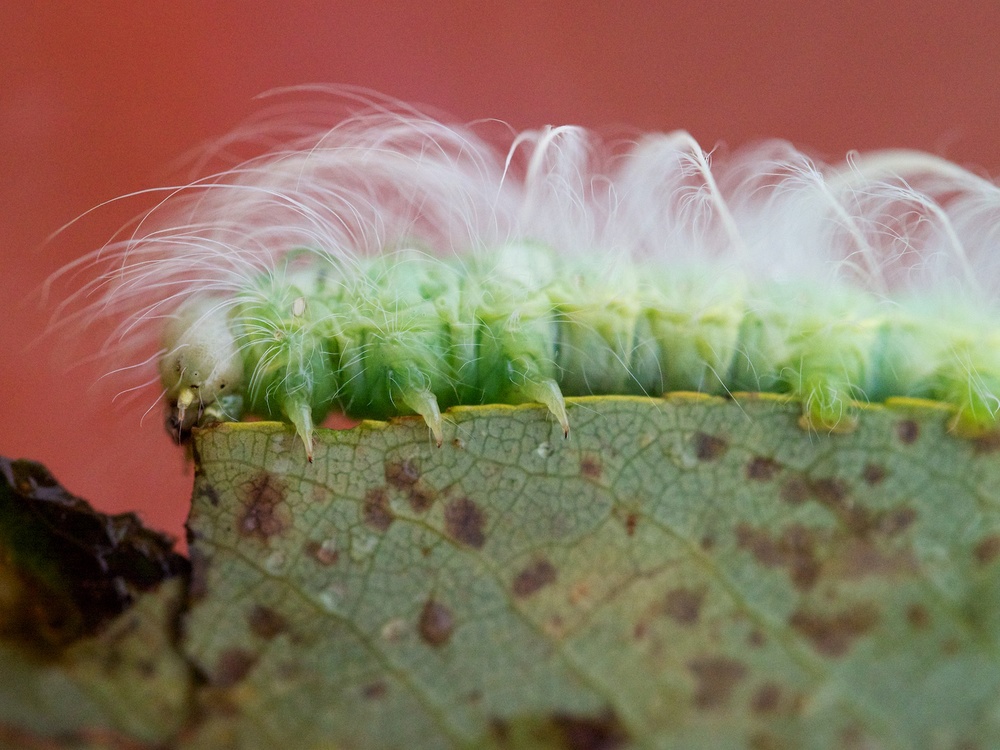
395 264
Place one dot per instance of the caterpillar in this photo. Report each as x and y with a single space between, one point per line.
397 264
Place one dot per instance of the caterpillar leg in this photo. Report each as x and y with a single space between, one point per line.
184 415
831 373
822 349
975 394
299 413
545 391
224 409
977 416
827 405
515 365
413 390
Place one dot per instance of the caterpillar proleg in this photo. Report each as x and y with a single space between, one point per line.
397 264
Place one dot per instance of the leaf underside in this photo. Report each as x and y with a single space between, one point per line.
689 572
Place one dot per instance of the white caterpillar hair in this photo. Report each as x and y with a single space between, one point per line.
906 229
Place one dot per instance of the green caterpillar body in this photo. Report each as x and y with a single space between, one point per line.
414 334
395 264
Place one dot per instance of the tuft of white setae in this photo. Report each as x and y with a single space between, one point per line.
396 264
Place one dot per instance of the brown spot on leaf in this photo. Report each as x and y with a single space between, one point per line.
500 729
683 605
421 499
896 520
436 623
873 473
766 741
858 558
918 616
907 431
795 490
555 627
762 469
709 447
795 549
325 552
988 549
854 737
265 622
829 491
209 493
232 666
375 510
536 576
405 476
590 733
630 523
766 699
374 690
590 466
200 563
559 731
756 639
580 593
833 493
264 515
402 474
859 520
465 522
986 444
717 676
833 634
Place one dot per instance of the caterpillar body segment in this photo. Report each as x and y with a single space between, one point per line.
290 361
818 345
395 340
971 382
694 320
394 264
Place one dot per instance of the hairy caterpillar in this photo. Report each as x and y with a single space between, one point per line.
395 264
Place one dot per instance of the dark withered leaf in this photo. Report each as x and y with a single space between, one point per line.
70 567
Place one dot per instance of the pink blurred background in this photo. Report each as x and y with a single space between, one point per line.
100 99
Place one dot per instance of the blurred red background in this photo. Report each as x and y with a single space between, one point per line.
99 99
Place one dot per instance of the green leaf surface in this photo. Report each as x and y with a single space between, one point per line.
689 573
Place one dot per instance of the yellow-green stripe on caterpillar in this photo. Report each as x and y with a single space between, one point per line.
395 264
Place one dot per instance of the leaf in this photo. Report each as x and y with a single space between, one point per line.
88 610
690 572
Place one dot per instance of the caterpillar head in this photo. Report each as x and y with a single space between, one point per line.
202 364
